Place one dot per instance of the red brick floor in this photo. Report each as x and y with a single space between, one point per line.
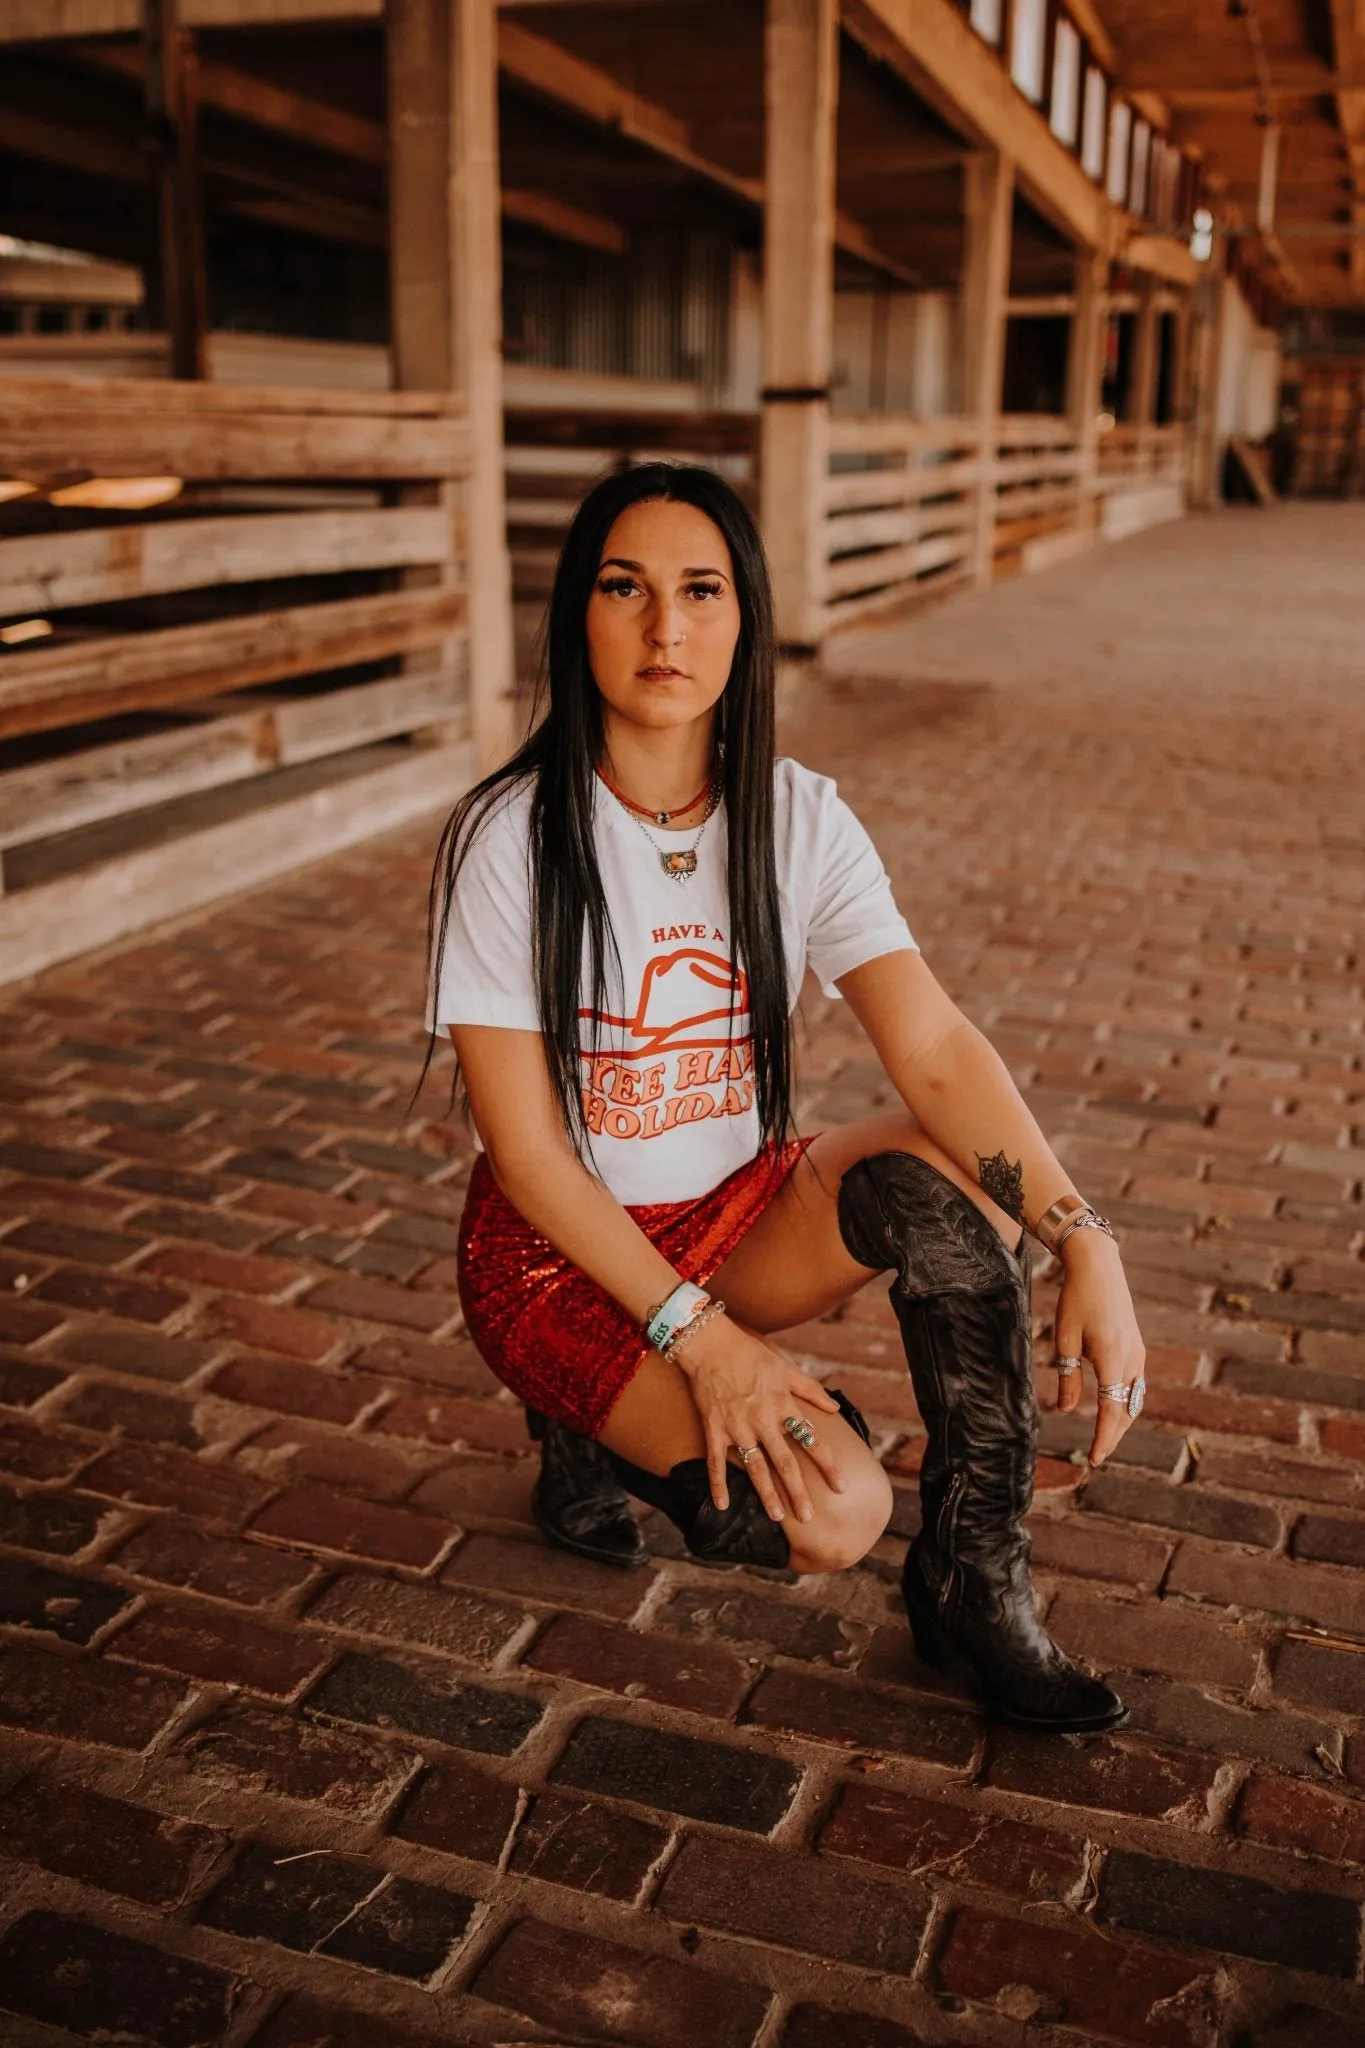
307 1740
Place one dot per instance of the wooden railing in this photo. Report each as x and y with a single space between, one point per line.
1129 454
900 508
904 512
182 687
553 453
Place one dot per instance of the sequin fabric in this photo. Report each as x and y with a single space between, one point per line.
551 1334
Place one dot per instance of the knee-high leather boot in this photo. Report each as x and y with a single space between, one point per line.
578 1502
962 1302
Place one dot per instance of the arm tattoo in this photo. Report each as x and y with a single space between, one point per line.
1003 1183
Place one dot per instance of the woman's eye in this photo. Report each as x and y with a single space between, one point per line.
703 590
617 586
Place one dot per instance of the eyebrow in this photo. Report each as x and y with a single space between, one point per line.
620 562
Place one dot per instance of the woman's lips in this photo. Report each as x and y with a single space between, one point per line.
658 674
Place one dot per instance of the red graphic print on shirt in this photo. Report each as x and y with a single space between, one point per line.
693 1009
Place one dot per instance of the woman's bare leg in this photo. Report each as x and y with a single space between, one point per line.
793 1265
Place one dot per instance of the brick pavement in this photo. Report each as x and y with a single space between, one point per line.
307 1740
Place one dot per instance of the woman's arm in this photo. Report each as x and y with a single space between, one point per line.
960 1092
746 1384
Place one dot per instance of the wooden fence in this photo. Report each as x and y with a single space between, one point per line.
904 510
553 454
187 689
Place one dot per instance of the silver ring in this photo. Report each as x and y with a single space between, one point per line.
800 1431
744 1454
1129 1397
1066 1365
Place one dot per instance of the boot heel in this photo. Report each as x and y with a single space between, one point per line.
931 1645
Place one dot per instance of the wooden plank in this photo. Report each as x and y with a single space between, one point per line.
555 216
139 671
77 437
45 572
103 782
34 21
91 908
234 739
801 82
29 395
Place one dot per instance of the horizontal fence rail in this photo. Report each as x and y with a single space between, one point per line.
553 454
218 607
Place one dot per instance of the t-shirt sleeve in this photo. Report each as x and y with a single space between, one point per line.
486 973
854 918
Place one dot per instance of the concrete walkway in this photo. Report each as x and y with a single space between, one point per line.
308 1742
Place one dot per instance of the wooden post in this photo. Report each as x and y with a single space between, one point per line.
445 270
1142 389
989 206
801 72
1205 484
178 283
1085 371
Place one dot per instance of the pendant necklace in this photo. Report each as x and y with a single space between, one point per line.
679 863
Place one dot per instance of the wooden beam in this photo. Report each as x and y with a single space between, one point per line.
989 215
1162 256
61 431
259 102
932 46
445 256
541 66
69 685
801 83
47 572
42 21
567 223
299 815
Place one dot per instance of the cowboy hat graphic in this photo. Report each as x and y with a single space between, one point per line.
688 1000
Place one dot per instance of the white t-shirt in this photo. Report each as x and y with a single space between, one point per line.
668 1094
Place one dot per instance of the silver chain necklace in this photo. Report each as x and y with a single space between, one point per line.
679 863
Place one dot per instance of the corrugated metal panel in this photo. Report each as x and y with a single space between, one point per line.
660 311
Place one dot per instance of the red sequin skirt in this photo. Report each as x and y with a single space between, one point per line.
557 1339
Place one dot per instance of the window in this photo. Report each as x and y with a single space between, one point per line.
1092 124
986 20
1064 111
1028 46
1137 177
1120 133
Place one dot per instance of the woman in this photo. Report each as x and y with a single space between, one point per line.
621 917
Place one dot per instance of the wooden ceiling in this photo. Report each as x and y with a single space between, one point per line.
1222 67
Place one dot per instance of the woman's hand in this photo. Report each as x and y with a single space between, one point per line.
744 1387
1096 1322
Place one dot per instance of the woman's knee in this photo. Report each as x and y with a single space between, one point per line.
846 1524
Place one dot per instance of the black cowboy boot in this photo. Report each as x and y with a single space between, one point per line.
577 1502
962 1302
743 1532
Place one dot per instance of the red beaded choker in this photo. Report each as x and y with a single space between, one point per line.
659 817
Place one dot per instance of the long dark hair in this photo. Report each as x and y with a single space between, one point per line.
559 758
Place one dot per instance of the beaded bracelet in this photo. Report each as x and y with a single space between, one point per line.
714 1307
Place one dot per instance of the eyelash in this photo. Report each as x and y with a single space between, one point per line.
623 586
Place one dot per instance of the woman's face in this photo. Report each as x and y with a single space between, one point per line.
663 618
